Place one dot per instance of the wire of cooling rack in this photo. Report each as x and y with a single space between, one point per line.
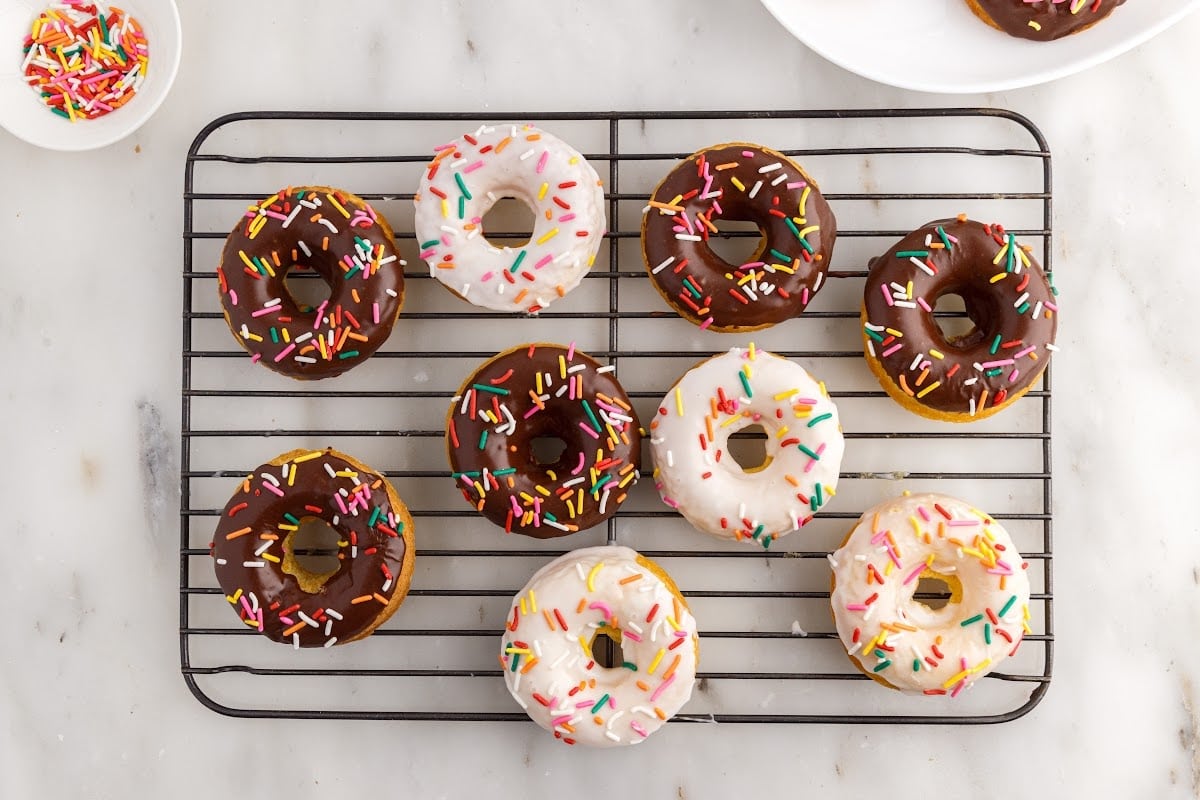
213 648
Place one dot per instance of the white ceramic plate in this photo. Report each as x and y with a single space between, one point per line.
940 46
23 115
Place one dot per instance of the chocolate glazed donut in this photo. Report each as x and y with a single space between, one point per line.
276 595
341 238
1042 20
539 391
743 182
1006 295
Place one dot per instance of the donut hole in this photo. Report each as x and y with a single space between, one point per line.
310 554
748 448
738 242
935 591
952 317
606 650
509 222
546 451
306 287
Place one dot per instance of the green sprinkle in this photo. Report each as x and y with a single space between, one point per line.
596 486
993 372
507 471
600 704
629 665
291 518
354 271
483 438
880 654
1023 308
882 666
945 239
462 186
516 264
912 254
820 500
987 633
687 284
795 230
970 621
516 658
746 383
462 207
995 345
766 541
781 256
821 418
1012 254
274 336
549 516
121 50
1007 605
348 354
588 410
876 336
757 532
493 389
374 516
917 661
59 111
472 474
429 244
103 28
811 454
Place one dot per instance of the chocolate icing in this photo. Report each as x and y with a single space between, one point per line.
272 237
997 306
704 185
1054 19
547 495
375 549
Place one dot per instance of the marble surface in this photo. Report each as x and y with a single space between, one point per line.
91 701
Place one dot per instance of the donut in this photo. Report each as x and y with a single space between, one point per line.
1042 20
902 642
1007 296
689 440
543 391
341 238
744 182
279 597
547 648
468 176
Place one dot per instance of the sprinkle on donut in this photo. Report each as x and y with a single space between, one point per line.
899 640
277 596
538 391
468 176
1009 299
550 665
343 240
743 182
694 473
1042 20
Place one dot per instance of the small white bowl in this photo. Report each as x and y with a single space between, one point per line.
24 116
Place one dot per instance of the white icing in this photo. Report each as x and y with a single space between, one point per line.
563 663
530 165
977 551
780 496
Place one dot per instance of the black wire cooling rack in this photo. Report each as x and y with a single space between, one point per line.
770 652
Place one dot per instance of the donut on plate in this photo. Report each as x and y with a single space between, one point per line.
552 660
904 643
689 439
343 240
749 183
1007 296
537 392
1042 20
279 597
468 176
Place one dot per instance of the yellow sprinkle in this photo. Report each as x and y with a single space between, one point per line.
908 290
929 389
678 401
539 383
808 230
338 206
804 200
542 490
524 608
654 663
781 432
587 651
591 578
1000 255
547 236
542 191
269 557
753 355
445 209
956 678
562 366
786 395
1037 26
532 601
309 456
999 276
236 596
741 186
936 353
894 332
292 476
518 651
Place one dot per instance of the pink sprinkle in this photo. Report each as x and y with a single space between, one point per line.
487 276
796 185
274 215
375 312
681 634
961 685
584 704
612 702
1003 363
442 147
567 217
254 359
717 207
264 311
924 514
541 165
287 621
260 620
962 523
804 297
432 251
887 295
341 504
570 351
589 431
856 607
820 449
246 605
1012 376
473 167
706 323
233 297
270 487
631 636
748 154
554 723
662 687
543 261
320 314
892 349
912 576
532 410
284 352
921 302
516 506
1051 306
1024 352
603 608
638 729
579 467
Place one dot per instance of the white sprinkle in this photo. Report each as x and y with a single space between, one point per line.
255 564
904 304
670 458
309 621
554 664
333 613
819 281
332 474
537 647
754 191
922 266
780 179
331 641
579 569
295 641
972 406
386 584
770 168
264 548
687 237
971 381
304 247
1021 299
609 368
1037 310
527 154
1053 348
611 735
269 477
306 359
291 216
328 627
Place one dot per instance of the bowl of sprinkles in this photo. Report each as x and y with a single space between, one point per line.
82 74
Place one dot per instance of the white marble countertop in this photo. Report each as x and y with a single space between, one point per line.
91 698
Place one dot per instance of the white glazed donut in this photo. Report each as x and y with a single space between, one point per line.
466 179
546 648
720 396
903 643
